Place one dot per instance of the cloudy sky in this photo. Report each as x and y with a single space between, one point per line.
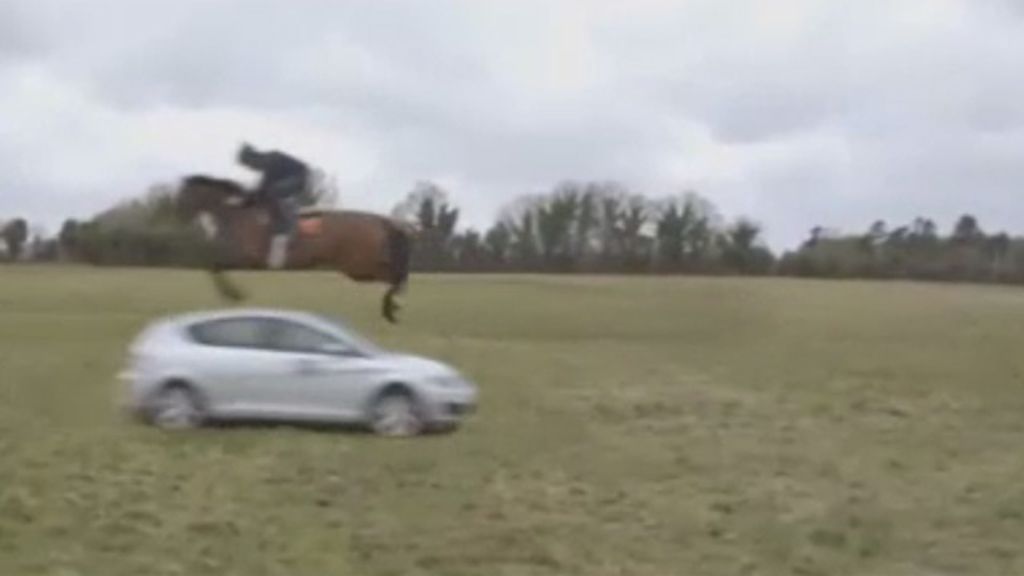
795 112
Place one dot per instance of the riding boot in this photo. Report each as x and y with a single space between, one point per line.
278 251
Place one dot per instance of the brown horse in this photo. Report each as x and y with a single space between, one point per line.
365 247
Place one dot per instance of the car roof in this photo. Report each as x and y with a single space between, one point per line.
231 313
181 322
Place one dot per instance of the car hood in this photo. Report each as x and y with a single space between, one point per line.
417 365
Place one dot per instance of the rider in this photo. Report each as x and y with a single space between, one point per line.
284 179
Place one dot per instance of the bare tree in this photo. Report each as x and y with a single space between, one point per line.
428 206
15 234
323 190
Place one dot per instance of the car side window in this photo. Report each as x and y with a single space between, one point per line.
231 333
292 337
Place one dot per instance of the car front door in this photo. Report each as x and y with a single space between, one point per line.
327 377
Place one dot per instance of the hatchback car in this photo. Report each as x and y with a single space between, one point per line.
283 365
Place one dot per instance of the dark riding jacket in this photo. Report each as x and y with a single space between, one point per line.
279 168
284 179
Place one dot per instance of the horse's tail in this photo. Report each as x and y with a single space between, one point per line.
399 257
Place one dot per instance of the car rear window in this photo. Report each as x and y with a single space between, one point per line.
235 333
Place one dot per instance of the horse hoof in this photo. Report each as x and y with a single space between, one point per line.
233 295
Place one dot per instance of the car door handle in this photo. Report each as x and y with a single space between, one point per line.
307 366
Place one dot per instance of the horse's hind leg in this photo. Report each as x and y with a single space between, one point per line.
397 270
390 306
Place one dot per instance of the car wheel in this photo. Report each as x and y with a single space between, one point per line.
176 408
395 414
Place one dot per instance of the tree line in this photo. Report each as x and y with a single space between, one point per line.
576 227
917 250
586 227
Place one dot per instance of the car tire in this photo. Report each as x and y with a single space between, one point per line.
176 407
396 414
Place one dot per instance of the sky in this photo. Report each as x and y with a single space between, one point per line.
795 113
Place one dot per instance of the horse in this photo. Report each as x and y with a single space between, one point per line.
365 247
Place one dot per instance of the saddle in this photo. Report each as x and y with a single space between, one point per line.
310 222
309 219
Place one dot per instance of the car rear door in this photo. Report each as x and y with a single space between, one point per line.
240 374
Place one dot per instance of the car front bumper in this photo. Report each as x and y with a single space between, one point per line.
451 406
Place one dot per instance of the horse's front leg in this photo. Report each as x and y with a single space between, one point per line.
218 264
227 289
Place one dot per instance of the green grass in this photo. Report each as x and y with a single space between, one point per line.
627 426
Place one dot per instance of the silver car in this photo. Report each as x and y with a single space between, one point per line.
282 365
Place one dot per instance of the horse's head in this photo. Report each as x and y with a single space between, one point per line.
204 195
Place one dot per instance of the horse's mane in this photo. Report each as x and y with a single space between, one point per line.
229 186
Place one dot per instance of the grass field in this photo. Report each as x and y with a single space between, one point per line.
627 426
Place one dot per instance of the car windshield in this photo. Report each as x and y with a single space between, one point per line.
352 336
